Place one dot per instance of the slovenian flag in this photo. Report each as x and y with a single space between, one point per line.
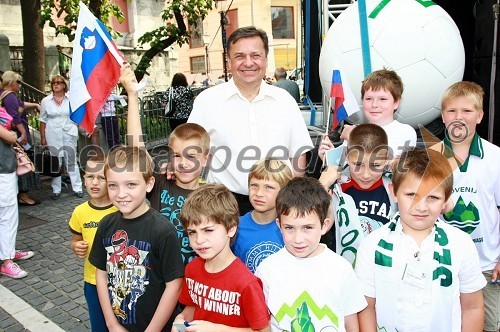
345 103
95 69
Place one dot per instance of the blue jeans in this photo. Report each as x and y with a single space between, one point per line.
97 321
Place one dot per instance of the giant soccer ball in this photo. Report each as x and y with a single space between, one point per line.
417 39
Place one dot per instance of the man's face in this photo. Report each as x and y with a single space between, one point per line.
248 61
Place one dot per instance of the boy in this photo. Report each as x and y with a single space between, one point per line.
417 272
307 286
258 235
138 260
381 93
219 292
476 186
189 146
364 203
83 225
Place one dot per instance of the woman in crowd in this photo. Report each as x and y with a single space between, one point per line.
60 134
9 214
11 83
180 99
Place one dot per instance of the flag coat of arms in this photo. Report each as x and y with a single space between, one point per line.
345 103
95 69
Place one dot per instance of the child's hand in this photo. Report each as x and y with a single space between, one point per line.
202 326
80 248
325 145
346 132
495 278
329 176
128 79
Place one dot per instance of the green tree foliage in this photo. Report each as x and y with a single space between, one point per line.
175 14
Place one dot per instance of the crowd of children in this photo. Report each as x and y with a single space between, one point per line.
403 260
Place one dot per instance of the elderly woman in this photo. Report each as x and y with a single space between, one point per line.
60 134
11 83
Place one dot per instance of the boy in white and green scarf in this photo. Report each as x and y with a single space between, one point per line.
417 272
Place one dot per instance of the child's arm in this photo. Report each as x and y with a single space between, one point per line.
329 176
187 315
134 129
166 306
102 291
79 246
204 326
472 311
351 323
367 318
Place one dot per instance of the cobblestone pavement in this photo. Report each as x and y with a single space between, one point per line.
54 285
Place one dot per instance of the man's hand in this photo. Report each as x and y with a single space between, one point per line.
80 248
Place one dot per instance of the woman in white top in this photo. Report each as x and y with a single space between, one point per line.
60 134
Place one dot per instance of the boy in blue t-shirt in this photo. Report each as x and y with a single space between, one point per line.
258 234
364 201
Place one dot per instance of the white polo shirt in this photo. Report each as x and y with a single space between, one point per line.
450 264
242 132
400 136
476 197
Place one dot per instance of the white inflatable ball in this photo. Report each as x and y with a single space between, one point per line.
416 38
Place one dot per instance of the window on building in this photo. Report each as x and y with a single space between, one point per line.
282 22
196 35
197 64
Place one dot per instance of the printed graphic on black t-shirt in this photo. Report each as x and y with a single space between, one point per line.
373 204
168 199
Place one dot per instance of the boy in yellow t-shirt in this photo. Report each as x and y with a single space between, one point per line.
83 225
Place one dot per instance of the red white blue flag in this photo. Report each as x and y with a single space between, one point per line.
345 103
95 69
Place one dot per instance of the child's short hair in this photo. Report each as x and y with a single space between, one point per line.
214 202
367 138
470 90
303 195
425 164
129 159
271 169
99 159
383 79
188 131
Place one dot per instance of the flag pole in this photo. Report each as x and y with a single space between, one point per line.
330 111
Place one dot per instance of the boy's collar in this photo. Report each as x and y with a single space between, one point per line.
475 149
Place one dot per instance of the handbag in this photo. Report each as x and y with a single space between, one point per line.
169 109
47 164
24 164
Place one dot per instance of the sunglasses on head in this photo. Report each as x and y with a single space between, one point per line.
19 82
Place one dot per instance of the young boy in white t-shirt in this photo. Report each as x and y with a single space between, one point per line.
476 186
307 286
417 272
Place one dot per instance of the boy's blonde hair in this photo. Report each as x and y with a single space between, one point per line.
424 164
383 79
130 159
187 131
470 90
270 169
99 159
303 195
211 201
367 138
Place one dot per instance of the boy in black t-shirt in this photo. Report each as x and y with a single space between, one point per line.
138 260
364 203
189 146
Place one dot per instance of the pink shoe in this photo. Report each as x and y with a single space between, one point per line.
13 270
20 255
